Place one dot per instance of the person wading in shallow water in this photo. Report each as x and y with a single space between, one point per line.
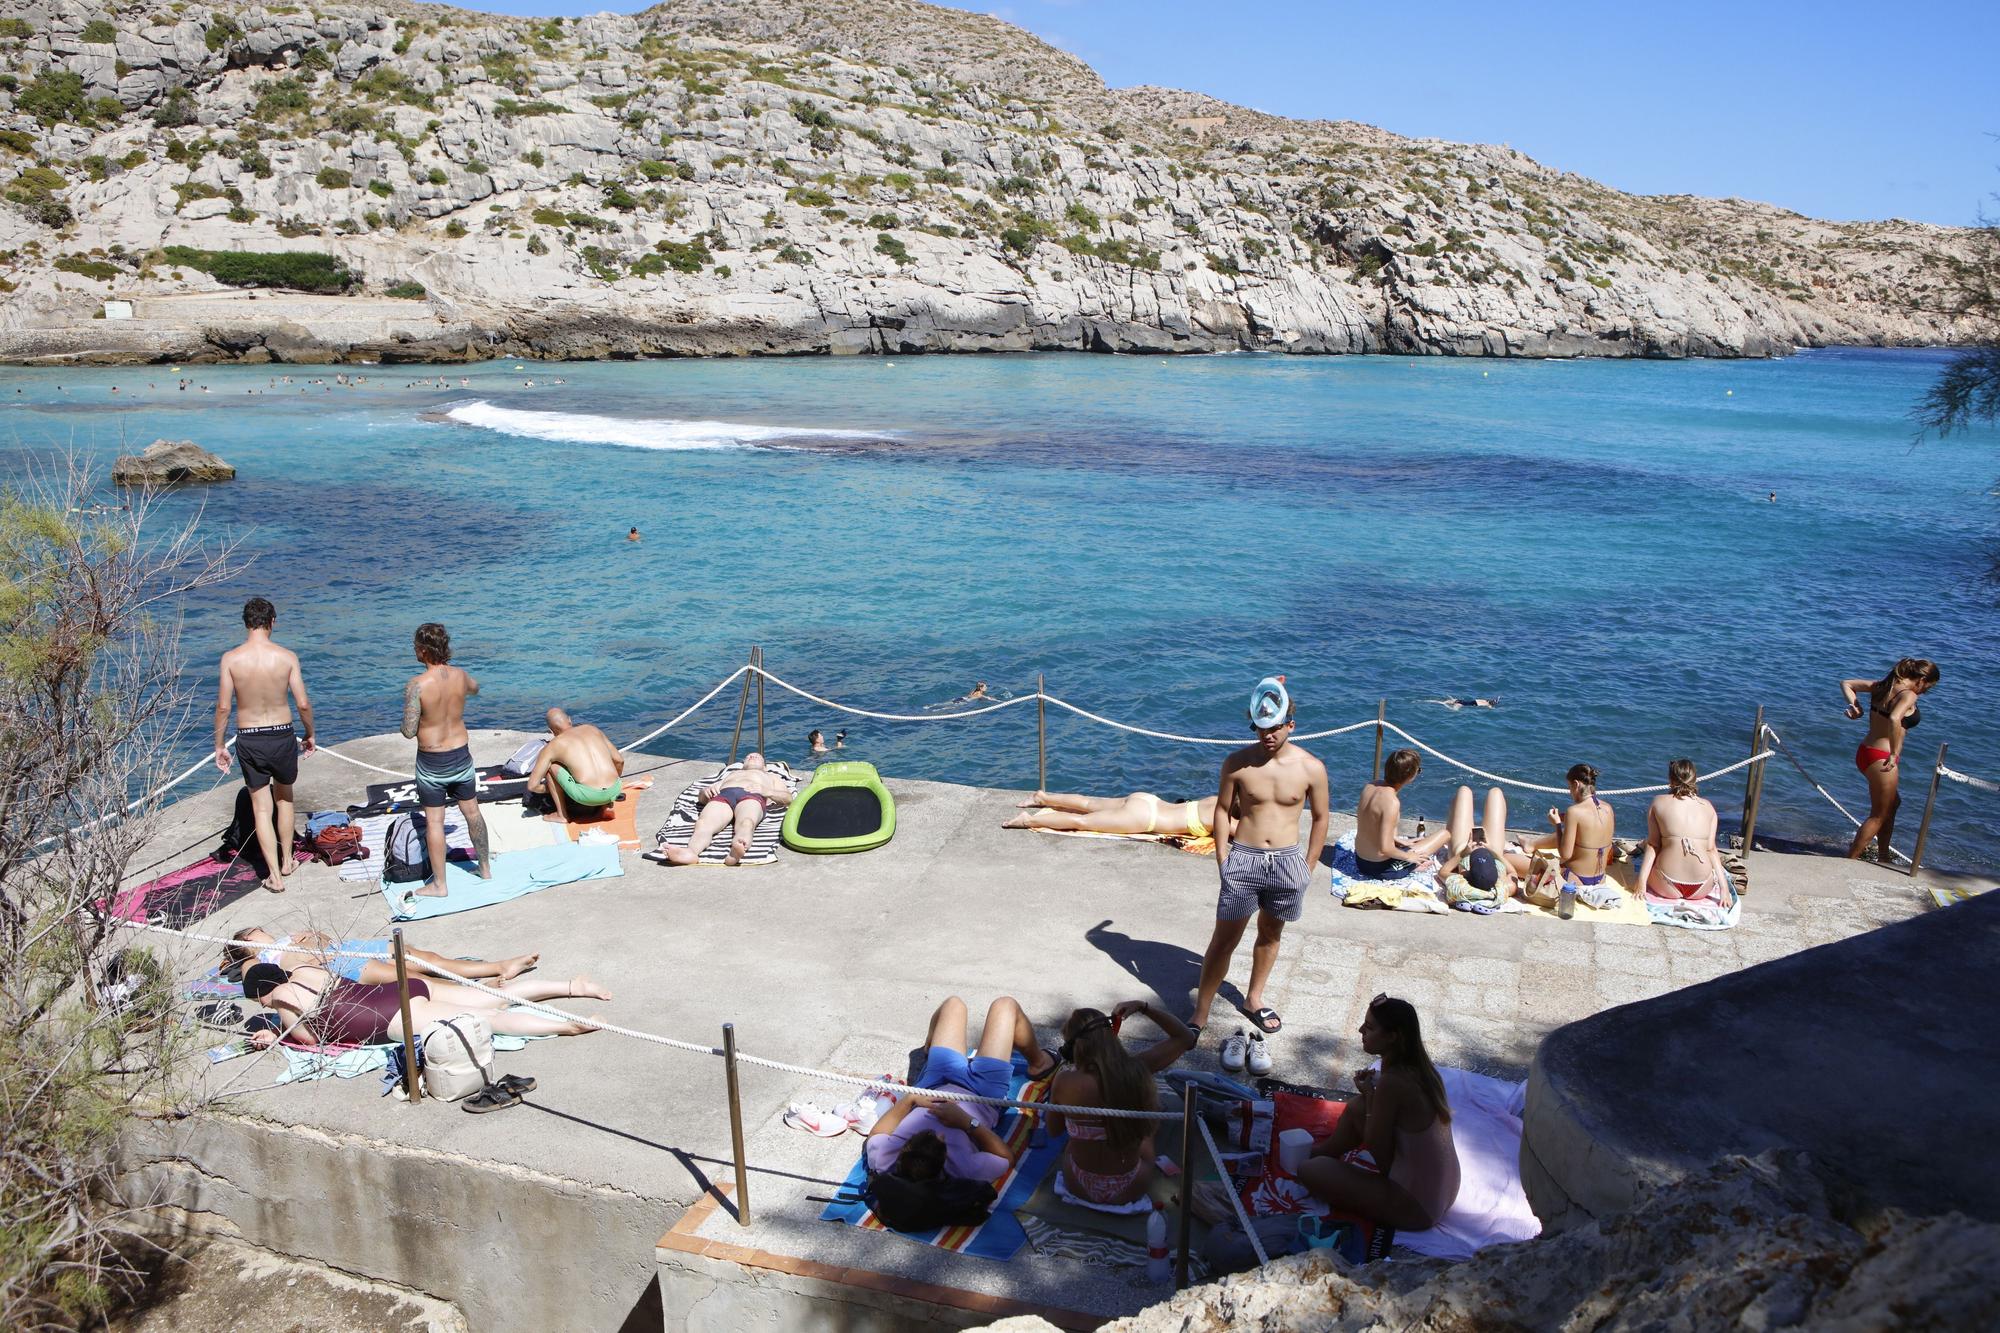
257 675
1264 871
434 715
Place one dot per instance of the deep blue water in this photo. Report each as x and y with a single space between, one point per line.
1589 541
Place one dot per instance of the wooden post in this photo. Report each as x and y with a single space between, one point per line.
1924 829
736 1125
1041 736
757 656
1753 786
1381 712
412 1085
742 702
1188 1101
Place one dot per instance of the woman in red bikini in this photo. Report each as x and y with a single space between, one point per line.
1109 1161
1892 711
1681 859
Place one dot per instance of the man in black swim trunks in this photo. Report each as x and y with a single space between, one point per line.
1379 851
258 676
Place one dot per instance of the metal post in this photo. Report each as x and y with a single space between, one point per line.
1924 829
1381 712
757 656
412 1088
742 702
1188 1100
1041 737
1753 787
736 1125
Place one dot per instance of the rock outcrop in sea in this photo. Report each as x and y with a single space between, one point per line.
415 182
170 463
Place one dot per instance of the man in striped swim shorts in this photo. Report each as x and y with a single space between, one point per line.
434 715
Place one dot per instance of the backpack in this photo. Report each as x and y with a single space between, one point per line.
404 856
457 1057
522 761
918 1206
240 838
338 843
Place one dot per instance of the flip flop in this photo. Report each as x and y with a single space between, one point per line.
1266 1018
493 1097
518 1084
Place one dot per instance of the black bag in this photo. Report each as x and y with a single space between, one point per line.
918 1206
240 838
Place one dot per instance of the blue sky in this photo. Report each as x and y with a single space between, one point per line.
1836 109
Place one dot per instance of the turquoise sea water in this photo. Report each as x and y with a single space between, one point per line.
1588 541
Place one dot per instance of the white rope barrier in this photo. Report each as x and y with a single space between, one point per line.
692 1048
1187 1183
1981 783
362 763
1103 721
1757 758
1779 741
685 713
993 707
152 795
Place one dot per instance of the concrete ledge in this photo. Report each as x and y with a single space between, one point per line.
801 1294
1874 1054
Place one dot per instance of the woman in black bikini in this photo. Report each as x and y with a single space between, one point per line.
320 1009
1892 711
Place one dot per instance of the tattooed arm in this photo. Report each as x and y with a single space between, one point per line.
413 706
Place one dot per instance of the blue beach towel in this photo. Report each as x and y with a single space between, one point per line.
304 1064
515 874
1000 1236
1346 875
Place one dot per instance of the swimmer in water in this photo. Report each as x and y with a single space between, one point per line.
977 694
632 536
1455 704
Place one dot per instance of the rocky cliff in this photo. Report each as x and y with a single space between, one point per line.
417 182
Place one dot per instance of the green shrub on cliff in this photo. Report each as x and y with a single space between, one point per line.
56 97
406 291
98 32
294 270
221 32
334 178
97 270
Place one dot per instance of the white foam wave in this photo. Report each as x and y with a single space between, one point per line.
639 432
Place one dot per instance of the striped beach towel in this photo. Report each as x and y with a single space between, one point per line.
763 841
1000 1236
375 830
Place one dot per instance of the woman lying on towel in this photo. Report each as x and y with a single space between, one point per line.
1109 1160
254 944
1391 1159
320 1009
1141 812
1681 861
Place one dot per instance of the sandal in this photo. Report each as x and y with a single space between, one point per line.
492 1097
518 1084
1266 1018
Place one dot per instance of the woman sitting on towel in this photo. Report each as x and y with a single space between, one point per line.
1583 838
254 944
1391 1159
1109 1160
1141 812
1681 860
1892 711
317 1008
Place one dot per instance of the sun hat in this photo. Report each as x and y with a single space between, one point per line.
1482 868
1269 703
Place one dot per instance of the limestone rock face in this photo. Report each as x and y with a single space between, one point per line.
841 176
170 463
1755 1244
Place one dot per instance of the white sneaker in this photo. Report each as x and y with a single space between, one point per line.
1234 1052
1259 1055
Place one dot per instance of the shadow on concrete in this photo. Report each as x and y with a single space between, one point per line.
1170 970
649 1314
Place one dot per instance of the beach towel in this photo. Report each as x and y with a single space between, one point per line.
185 896
616 817
1491 1208
375 832
388 798
306 1063
1418 891
1000 1236
514 875
1178 841
512 827
1720 908
763 840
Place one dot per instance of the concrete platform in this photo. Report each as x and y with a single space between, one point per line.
547 1215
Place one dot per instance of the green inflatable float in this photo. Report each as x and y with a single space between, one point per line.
845 808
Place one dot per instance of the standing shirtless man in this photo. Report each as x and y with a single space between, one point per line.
434 714
1264 870
259 675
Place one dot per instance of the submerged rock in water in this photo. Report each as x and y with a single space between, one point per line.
1755 1243
170 463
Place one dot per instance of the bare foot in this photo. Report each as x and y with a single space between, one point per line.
274 885
431 889
737 851
586 988
581 1029
679 856
287 871
1018 821
514 967
1036 802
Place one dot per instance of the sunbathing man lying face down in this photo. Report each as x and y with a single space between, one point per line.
739 800
580 770
309 948
1141 812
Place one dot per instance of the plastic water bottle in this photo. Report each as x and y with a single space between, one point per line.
1566 901
1157 1267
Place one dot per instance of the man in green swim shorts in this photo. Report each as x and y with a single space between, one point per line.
579 769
